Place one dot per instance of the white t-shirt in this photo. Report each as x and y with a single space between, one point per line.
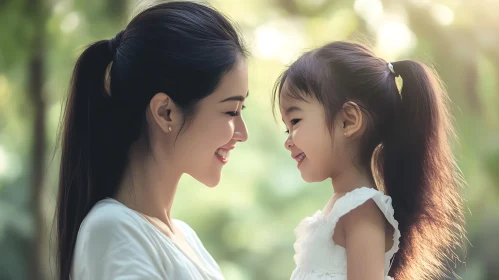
115 242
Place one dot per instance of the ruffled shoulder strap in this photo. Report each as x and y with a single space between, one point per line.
358 197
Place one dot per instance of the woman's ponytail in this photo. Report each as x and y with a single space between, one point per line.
86 143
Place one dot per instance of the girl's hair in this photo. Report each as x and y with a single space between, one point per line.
180 48
406 144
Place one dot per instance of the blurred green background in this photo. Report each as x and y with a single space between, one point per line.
246 222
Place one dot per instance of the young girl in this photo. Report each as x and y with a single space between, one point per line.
396 208
177 81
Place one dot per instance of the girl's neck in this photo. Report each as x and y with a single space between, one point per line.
351 178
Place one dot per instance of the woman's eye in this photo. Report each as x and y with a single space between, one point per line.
236 113
233 114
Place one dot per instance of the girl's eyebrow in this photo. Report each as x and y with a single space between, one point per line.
291 109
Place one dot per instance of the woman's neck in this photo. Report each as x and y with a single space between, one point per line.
149 186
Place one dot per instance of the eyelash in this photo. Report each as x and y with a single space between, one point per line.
235 113
293 122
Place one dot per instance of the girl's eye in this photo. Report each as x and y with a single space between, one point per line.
293 122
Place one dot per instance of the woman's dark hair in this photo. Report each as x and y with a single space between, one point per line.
406 144
179 48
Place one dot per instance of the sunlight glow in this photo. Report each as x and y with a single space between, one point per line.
369 10
443 14
394 39
61 7
421 3
281 40
10 164
70 22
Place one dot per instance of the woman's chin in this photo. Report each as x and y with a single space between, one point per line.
212 184
209 180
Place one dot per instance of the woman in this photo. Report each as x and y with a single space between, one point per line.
162 98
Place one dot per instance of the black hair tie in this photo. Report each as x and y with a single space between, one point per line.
114 43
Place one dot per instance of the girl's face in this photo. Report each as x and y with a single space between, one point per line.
205 142
310 142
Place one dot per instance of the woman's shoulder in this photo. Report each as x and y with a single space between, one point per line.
110 219
114 241
188 232
184 227
108 213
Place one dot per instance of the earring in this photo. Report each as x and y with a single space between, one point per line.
169 128
345 134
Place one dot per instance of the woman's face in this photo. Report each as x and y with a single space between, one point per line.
204 144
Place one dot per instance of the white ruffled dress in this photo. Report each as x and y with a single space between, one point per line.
317 257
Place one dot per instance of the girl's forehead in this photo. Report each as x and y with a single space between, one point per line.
286 101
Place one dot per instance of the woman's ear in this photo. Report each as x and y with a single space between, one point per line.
164 112
352 120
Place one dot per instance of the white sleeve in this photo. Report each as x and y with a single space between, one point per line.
115 248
